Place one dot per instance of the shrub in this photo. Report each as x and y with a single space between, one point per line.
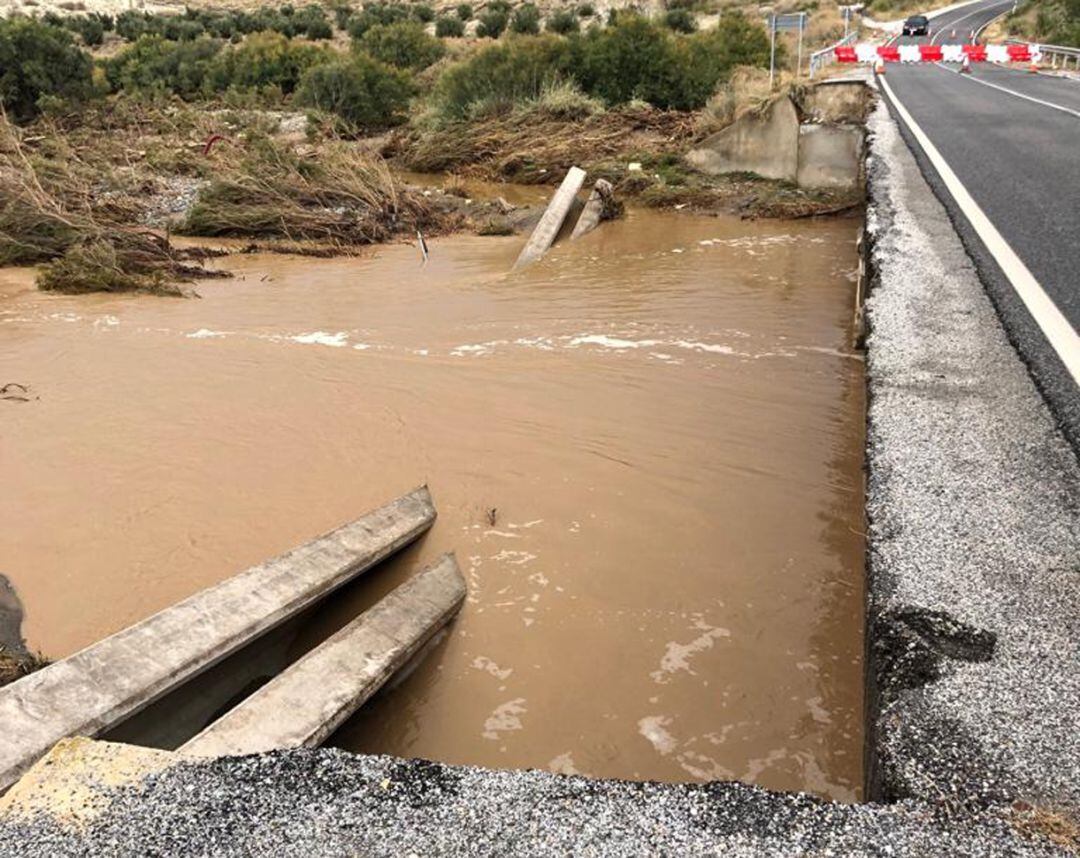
363 92
491 24
499 6
631 59
265 60
564 21
586 10
90 28
680 20
465 11
423 13
499 76
342 12
445 26
312 22
526 20
155 64
375 14
36 61
405 45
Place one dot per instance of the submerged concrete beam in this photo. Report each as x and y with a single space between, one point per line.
593 213
94 689
544 234
305 704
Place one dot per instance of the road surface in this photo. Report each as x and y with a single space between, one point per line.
1011 139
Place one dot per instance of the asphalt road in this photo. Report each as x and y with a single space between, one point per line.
1013 140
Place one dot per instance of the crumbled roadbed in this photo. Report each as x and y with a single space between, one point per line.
328 802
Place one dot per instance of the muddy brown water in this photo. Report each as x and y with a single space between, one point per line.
645 450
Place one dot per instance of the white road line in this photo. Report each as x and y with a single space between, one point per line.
978 11
974 79
1061 335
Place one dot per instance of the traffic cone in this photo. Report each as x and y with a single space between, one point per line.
1034 67
965 65
952 33
879 66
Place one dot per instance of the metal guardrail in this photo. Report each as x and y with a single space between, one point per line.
1059 56
827 56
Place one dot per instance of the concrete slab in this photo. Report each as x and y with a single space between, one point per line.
544 234
830 156
96 688
305 704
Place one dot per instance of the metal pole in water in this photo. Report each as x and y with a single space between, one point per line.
772 50
798 64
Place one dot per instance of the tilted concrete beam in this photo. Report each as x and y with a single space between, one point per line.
101 685
559 207
311 699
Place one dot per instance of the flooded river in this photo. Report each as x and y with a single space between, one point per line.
645 450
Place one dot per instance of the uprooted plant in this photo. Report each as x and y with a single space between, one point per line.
50 215
337 195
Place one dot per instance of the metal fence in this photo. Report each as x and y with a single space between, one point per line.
827 56
1059 56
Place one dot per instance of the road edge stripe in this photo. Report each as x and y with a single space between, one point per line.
1061 335
1050 104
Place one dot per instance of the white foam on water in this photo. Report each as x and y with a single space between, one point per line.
653 728
322 338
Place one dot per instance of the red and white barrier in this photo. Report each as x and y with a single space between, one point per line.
866 53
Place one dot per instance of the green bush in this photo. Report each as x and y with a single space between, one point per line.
499 76
491 24
680 20
465 11
91 29
526 20
448 27
586 10
405 45
363 92
342 10
312 22
564 21
375 14
265 60
40 63
423 13
154 64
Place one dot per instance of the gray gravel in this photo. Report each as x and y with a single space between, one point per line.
973 503
328 803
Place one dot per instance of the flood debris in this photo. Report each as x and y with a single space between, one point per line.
15 392
51 215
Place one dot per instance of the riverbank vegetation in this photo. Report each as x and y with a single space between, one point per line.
285 123
1052 22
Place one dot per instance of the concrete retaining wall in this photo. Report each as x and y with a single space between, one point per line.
766 144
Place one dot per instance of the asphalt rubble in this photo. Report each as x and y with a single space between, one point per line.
973 511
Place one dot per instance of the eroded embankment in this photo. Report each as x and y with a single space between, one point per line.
974 530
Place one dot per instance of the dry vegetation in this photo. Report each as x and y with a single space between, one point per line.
53 212
14 665
1046 823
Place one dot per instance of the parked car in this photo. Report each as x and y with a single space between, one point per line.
917 25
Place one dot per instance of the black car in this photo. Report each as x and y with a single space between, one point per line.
917 25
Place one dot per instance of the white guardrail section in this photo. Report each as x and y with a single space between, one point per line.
1059 56
826 56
